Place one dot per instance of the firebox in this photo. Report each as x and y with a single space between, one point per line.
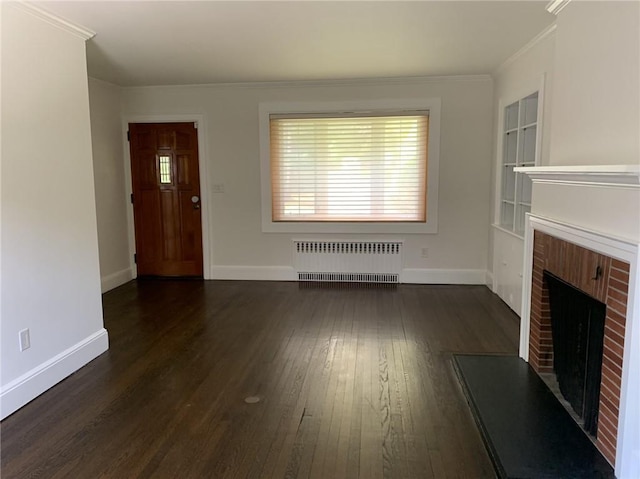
577 331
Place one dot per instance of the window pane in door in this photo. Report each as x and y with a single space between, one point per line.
165 169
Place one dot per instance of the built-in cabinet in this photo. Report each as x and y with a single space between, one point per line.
519 140
508 254
519 148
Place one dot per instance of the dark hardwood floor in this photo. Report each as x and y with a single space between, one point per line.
354 381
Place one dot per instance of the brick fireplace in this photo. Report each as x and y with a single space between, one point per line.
607 280
584 232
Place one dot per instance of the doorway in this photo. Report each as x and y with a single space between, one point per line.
166 199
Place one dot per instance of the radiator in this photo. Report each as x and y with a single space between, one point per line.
348 261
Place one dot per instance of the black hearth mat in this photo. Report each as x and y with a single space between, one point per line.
528 433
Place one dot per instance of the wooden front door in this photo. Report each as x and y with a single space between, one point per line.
166 198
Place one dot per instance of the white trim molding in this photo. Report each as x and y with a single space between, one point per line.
253 273
113 280
30 385
489 280
525 306
444 276
408 275
532 43
619 175
383 81
55 20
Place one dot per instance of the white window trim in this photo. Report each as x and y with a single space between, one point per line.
429 227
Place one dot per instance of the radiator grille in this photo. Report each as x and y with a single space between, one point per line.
342 247
348 261
349 277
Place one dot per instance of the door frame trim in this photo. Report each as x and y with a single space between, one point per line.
203 160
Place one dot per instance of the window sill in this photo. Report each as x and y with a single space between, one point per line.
430 227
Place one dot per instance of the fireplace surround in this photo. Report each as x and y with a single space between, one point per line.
584 227
579 267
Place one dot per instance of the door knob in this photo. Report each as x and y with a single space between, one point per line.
196 202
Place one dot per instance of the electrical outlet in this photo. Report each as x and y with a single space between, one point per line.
25 339
425 252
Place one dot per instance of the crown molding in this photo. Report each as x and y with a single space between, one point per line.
328 82
55 20
554 6
532 43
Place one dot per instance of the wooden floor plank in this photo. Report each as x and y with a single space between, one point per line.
353 381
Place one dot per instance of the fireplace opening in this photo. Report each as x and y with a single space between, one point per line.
577 332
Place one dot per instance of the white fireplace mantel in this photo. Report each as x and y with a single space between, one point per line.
599 198
599 174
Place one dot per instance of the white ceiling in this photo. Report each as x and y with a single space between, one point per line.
194 42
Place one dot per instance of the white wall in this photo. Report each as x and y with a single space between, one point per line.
528 71
105 101
49 243
596 108
240 249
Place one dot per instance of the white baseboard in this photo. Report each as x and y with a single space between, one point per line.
489 280
254 273
286 273
111 281
30 385
444 276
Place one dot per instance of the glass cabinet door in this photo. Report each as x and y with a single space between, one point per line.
520 142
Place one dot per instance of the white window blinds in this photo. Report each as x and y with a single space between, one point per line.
360 168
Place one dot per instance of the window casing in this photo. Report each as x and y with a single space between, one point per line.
356 167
